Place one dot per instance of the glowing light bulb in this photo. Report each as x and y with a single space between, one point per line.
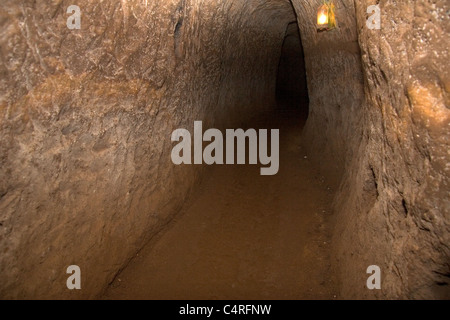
322 19
326 19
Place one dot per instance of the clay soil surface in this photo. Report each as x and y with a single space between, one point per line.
242 235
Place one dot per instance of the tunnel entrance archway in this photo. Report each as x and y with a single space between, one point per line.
291 87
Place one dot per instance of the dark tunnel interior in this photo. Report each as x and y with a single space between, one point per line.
226 149
291 87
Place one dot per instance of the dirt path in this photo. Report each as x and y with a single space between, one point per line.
243 236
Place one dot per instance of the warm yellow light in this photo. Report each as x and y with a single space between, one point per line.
322 19
326 19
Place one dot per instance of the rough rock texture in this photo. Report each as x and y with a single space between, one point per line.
86 118
394 204
383 122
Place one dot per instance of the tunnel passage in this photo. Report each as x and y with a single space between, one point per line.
291 84
86 117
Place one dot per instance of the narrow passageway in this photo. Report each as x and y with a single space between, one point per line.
94 95
242 235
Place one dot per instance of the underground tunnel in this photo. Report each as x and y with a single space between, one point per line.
291 85
91 93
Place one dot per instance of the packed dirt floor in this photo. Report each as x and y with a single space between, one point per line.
243 235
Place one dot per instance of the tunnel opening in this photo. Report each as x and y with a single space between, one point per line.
291 85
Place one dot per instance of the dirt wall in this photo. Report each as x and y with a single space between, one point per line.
394 203
86 118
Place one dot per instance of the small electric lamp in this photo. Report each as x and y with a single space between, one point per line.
326 19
